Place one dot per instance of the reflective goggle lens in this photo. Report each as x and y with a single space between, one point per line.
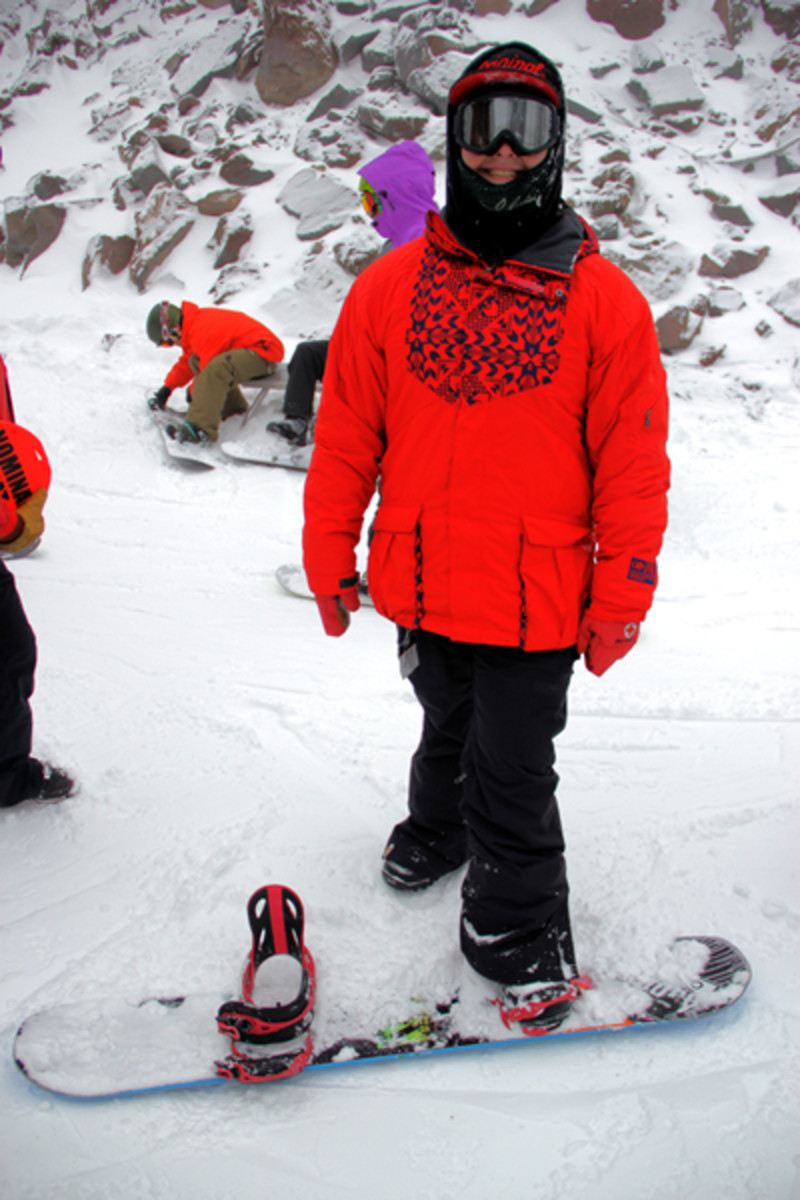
370 201
529 124
165 329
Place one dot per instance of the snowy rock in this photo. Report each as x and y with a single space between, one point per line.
736 16
321 203
338 97
786 301
350 41
357 251
161 225
432 84
673 90
336 143
614 190
724 64
240 171
632 19
783 198
219 202
783 16
29 230
732 214
390 120
659 271
297 56
724 299
111 254
677 329
729 262
229 238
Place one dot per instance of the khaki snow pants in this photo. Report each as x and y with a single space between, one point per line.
216 393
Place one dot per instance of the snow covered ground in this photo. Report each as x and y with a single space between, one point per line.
222 742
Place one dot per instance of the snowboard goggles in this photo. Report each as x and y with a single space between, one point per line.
166 332
370 200
527 123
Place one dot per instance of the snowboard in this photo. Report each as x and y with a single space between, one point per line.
292 579
243 437
109 1048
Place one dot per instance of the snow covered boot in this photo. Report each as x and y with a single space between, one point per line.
270 1025
536 1008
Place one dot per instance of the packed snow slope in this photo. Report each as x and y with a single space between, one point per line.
222 742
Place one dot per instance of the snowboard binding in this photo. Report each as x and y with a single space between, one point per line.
270 1040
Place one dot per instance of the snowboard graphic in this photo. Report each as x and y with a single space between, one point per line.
110 1049
292 579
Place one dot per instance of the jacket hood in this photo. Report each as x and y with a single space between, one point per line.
404 178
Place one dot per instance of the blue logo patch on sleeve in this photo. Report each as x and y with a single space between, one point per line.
643 571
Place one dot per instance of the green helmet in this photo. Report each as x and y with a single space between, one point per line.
162 319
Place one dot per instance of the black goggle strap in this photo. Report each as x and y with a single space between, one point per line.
527 123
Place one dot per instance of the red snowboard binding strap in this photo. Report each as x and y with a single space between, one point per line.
276 920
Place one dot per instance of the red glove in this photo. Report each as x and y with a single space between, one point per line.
335 610
603 642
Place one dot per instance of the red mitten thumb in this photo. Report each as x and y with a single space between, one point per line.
603 642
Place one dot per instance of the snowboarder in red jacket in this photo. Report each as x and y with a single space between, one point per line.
504 381
220 349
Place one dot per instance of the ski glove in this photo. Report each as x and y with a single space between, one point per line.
30 527
603 642
159 401
335 610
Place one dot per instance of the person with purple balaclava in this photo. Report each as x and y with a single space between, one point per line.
396 191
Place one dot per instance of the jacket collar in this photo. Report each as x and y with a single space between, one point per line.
566 242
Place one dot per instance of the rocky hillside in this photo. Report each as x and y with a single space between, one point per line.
203 122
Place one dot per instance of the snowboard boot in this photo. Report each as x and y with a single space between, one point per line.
411 864
47 784
187 434
536 1008
270 1033
293 429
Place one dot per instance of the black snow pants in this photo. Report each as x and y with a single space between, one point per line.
17 667
482 789
306 368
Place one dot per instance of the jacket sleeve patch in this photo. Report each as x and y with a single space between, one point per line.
641 570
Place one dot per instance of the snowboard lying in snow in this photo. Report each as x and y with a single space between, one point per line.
110 1048
243 437
292 579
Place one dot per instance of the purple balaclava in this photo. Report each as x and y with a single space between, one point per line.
404 179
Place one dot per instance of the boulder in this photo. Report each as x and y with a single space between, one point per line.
160 225
29 230
736 17
632 19
219 202
614 190
729 261
297 57
658 271
782 198
229 238
783 16
111 254
390 121
240 171
321 203
673 90
786 301
677 329
724 299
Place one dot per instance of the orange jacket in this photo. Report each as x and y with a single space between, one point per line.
517 418
207 332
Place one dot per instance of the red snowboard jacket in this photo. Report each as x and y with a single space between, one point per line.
207 332
517 419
